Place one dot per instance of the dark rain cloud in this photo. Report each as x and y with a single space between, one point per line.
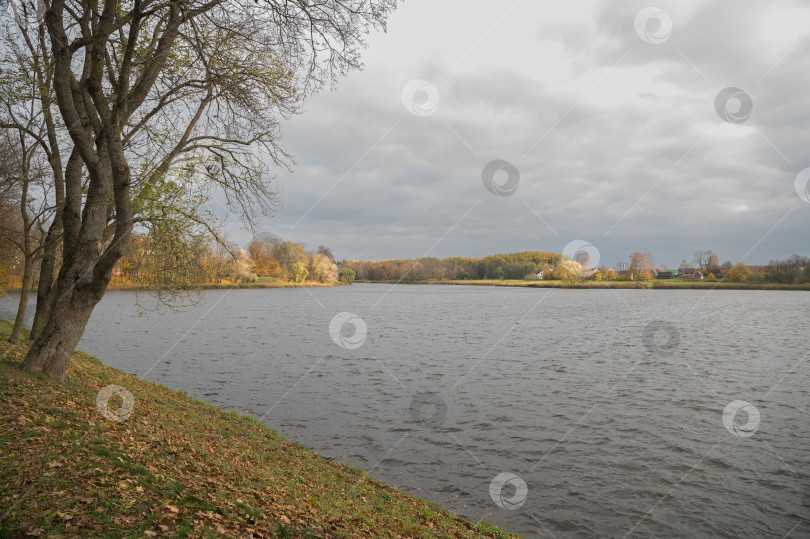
621 146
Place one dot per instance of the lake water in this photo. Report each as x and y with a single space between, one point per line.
608 429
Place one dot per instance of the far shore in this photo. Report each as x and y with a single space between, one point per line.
230 286
211 286
639 285
590 285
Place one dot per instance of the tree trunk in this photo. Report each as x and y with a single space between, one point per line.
45 303
46 297
28 262
46 292
78 288
51 351
16 332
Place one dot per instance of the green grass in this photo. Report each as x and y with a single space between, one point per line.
544 283
177 468
725 285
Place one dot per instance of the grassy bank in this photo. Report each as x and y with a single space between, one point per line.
176 468
657 284
727 285
521 283
546 284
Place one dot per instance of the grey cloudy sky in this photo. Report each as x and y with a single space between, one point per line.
606 112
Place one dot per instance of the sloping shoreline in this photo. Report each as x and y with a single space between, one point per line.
176 467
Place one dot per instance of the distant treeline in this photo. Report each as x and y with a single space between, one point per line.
530 265
792 270
175 262
506 266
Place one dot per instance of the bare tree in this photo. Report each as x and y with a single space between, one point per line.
703 259
22 178
326 251
28 91
167 101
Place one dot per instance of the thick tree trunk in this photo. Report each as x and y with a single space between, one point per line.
51 351
16 331
46 292
81 283
44 308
